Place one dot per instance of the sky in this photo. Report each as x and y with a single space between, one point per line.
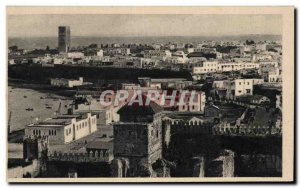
144 25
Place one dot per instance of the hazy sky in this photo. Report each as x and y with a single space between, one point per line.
144 25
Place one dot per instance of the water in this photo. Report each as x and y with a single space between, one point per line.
42 42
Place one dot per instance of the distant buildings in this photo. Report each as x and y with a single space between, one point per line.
213 66
75 55
64 39
157 54
64 128
167 83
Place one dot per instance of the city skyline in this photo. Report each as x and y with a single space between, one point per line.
144 25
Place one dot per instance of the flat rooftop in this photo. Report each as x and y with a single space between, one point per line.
59 121
92 141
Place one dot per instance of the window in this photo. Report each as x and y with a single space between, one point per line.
248 91
67 132
240 83
248 83
49 132
240 91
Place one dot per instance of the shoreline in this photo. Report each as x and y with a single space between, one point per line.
43 88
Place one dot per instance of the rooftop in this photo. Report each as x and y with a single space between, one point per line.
59 121
79 146
185 115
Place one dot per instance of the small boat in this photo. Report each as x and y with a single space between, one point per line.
25 96
41 97
49 107
29 109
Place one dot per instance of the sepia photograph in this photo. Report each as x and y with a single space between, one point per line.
150 94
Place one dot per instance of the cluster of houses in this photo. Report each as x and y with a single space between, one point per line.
202 58
141 132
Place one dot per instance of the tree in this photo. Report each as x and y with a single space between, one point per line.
13 48
93 46
249 42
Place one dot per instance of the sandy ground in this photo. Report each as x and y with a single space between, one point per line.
19 99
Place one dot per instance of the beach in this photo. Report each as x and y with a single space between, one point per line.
27 106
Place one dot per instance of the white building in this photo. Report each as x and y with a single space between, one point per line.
236 66
190 50
11 61
64 129
195 104
273 74
246 48
75 55
100 53
243 87
105 114
264 63
205 67
70 83
237 87
261 46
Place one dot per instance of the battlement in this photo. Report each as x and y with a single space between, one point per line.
102 156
